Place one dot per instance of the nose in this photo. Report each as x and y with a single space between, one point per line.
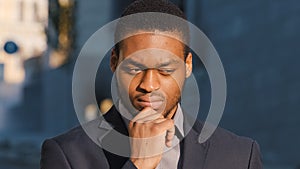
150 81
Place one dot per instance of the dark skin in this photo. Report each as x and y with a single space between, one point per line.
151 69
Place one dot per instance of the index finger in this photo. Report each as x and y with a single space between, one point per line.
164 124
147 111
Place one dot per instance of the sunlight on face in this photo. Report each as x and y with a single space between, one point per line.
151 73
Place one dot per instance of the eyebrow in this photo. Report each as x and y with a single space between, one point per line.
133 62
136 63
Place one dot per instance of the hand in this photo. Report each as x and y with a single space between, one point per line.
149 132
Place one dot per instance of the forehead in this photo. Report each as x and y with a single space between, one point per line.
154 40
152 58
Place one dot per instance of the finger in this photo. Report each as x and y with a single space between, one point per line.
144 113
159 120
169 143
171 130
170 133
165 124
169 136
149 118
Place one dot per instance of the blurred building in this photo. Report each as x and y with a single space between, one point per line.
23 42
22 22
22 38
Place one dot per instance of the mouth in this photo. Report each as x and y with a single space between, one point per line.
154 102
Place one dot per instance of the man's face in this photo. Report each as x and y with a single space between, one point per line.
151 71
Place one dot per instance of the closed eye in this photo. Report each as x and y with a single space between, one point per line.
135 70
166 71
132 70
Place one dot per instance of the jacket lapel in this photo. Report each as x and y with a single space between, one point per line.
114 132
193 153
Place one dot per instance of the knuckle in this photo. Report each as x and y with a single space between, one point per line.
131 124
171 122
155 128
146 109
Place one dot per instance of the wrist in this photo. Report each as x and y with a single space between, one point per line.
142 163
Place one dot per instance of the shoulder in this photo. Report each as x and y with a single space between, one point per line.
73 148
74 140
70 136
76 134
223 137
87 133
227 138
233 149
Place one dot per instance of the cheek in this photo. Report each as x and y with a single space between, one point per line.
123 83
173 88
132 86
126 87
173 93
178 80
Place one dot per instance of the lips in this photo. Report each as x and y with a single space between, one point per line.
154 102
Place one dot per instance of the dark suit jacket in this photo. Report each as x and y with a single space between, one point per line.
76 150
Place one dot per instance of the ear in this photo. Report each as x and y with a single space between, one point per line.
114 58
188 65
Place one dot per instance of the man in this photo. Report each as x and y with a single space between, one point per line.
151 64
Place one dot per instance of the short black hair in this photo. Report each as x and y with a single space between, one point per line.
162 6
127 26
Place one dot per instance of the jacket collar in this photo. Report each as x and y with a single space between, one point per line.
193 153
